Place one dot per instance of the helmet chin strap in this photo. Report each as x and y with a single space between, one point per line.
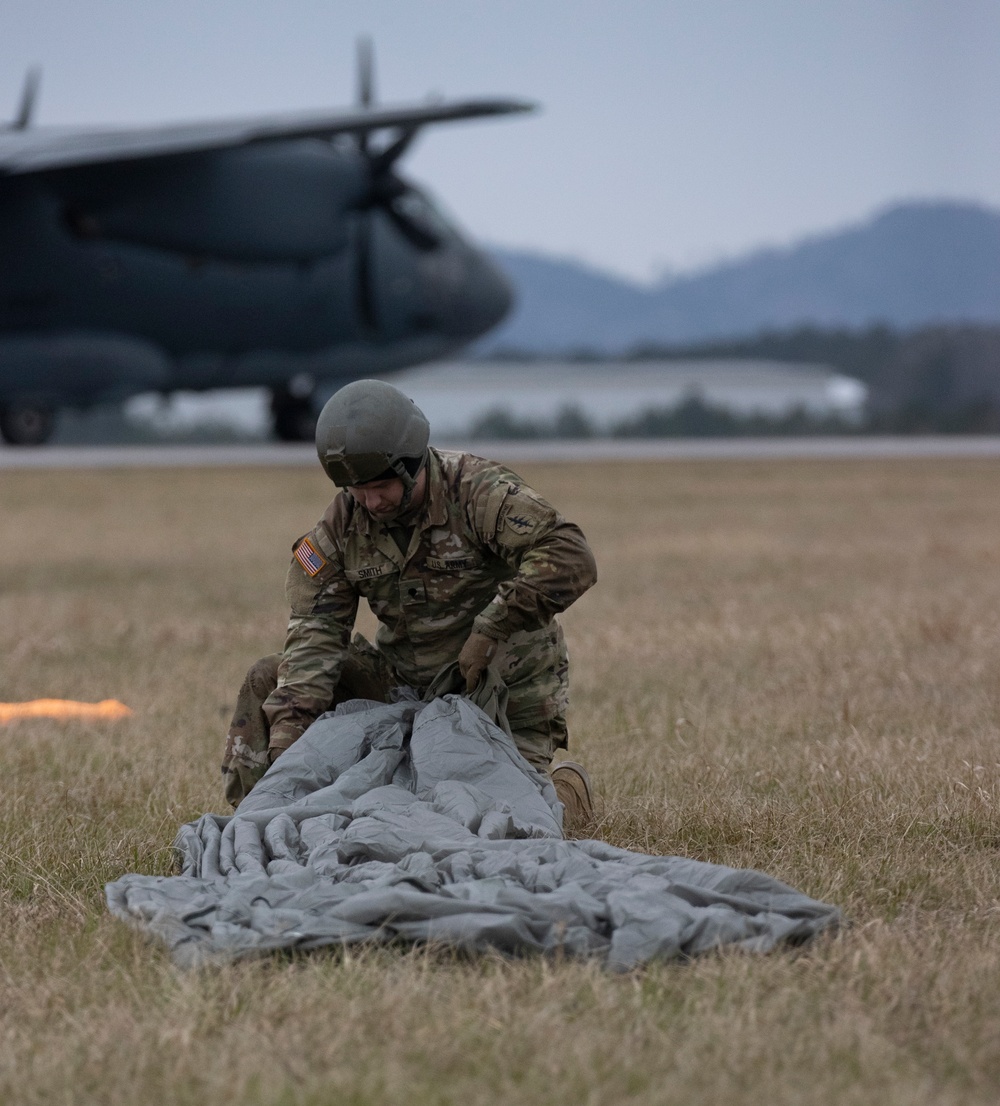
409 484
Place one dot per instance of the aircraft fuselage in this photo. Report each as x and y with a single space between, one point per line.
240 267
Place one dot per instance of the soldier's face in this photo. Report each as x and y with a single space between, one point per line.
382 499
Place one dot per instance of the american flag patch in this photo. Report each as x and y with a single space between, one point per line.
309 557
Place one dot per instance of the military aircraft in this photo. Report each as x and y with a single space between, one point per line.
283 252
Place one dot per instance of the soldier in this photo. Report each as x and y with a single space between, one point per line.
458 560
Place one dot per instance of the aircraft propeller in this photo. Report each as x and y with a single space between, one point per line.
29 96
366 73
387 191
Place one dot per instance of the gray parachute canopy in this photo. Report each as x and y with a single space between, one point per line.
420 821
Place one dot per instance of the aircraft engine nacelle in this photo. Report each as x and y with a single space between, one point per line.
256 204
71 367
39 374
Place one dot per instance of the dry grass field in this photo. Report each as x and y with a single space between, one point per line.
793 666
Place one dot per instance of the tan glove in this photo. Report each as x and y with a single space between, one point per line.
476 654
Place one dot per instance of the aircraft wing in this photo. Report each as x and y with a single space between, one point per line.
37 150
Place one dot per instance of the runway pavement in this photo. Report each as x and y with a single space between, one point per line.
613 449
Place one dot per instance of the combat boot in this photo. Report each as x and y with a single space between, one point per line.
573 789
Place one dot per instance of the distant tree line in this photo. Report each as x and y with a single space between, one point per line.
940 379
692 418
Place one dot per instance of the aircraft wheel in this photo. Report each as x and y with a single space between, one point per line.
26 424
293 418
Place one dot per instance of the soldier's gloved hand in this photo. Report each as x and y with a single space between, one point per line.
476 654
278 744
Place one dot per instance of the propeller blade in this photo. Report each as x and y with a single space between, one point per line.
390 194
366 87
363 275
420 236
366 73
29 95
383 161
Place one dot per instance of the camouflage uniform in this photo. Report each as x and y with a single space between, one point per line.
486 554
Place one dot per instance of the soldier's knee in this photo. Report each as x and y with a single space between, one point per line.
262 676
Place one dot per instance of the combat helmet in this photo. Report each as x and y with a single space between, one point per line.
368 430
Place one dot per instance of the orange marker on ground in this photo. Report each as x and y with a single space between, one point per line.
62 708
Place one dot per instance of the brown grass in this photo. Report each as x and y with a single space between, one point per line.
791 666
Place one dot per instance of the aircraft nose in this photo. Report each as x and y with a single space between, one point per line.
489 295
473 294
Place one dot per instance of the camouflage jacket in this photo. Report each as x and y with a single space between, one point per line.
486 553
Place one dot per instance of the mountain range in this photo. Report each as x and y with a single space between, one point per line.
911 265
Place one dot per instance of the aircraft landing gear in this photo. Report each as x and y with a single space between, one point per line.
26 423
292 413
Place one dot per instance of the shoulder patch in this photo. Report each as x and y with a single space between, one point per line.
313 562
518 523
524 517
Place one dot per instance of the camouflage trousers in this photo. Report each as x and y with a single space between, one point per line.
366 675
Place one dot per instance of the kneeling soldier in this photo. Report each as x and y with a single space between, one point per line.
458 560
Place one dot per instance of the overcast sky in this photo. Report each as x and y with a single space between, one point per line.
671 133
